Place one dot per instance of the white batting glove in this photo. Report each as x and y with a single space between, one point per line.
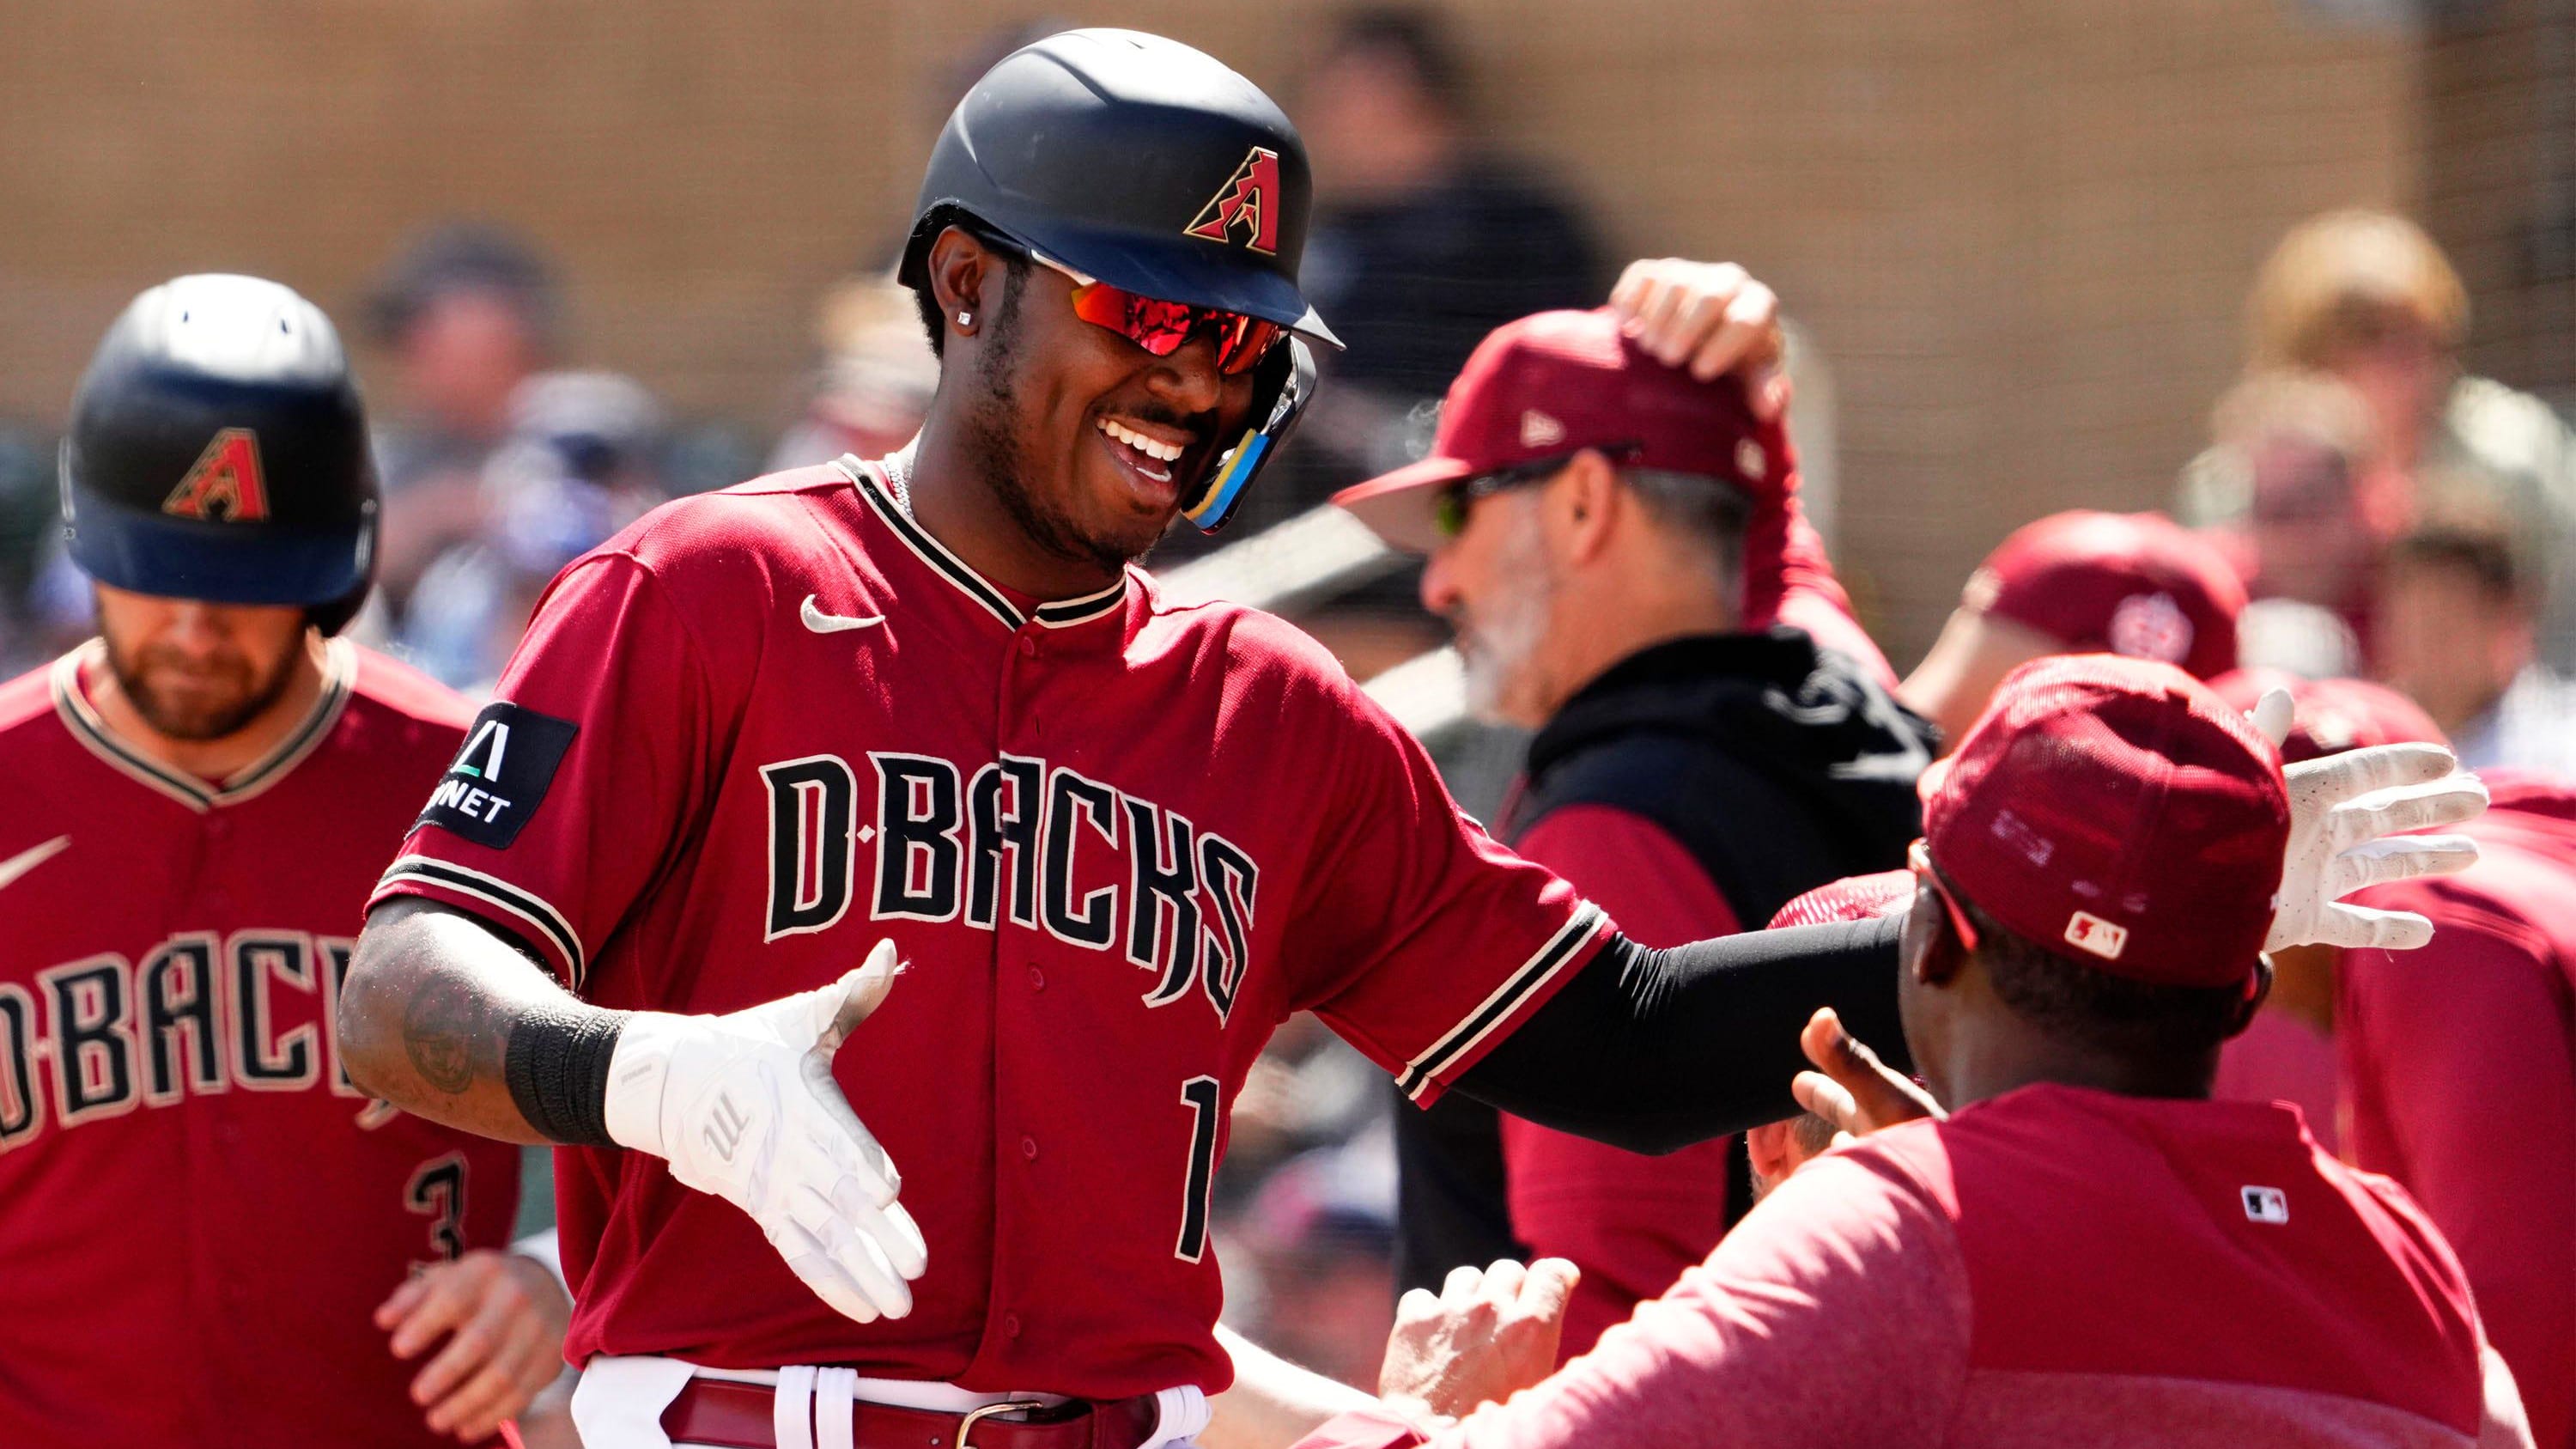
744 1107
2346 812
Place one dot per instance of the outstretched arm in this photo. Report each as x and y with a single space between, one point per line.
426 1016
1652 1050
1680 1045
445 1020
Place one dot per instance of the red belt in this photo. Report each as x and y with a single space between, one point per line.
739 1416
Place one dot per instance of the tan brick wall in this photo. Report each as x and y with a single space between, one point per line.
2500 183
2020 231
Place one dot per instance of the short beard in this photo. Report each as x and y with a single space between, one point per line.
992 444
199 726
1507 638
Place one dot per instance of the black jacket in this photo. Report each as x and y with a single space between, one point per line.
1778 766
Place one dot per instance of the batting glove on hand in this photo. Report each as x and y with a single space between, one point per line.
744 1107
2346 812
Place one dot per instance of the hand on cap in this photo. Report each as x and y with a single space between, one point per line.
1851 1088
1711 317
744 1107
2347 812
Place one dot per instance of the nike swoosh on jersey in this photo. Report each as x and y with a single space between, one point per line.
822 623
28 859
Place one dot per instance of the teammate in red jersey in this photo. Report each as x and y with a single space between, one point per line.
2078 582
2417 1050
199 1214
927 700
2087 1251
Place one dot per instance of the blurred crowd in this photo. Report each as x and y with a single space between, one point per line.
2365 509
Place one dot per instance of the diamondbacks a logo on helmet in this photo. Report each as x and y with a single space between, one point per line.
1249 199
224 483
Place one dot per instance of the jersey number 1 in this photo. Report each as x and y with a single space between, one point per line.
1199 1095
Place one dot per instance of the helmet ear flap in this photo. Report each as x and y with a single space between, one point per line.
334 616
1282 385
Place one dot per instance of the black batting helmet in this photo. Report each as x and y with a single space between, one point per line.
1152 167
218 451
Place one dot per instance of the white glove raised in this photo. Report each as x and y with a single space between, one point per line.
2346 812
744 1107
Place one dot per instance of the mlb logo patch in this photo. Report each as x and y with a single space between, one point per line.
2088 932
2265 1204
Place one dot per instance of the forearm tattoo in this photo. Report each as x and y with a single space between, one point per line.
451 1033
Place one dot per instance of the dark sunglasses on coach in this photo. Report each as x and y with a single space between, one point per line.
1161 328
1449 510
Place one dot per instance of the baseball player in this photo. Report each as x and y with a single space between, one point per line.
2086 1250
1618 542
2078 582
922 702
200 1215
2415 1051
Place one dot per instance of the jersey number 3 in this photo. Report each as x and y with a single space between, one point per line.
437 1192
1199 1095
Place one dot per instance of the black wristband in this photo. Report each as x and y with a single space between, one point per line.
557 1066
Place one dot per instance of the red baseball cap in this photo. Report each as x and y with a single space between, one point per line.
2330 716
1853 898
2137 584
2119 813
1555 383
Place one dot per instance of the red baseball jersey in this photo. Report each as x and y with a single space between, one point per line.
2053 1266
2428 1040
1118 841
198 1212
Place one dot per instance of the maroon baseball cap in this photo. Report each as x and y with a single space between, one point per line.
2330 716
1853 898
2119 813
1554 383
2137 584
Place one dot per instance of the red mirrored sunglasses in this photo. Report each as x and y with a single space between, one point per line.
1161 328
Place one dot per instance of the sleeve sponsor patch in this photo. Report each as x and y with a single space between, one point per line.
500 777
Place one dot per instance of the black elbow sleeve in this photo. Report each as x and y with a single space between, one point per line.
1652 1050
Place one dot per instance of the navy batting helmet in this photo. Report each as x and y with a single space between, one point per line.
218 451
1152 167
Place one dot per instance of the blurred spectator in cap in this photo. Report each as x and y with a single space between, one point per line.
2367 298
1425 237
877 377
2086 1250
2454 1067
582 459
466 313
2456 629
2080 583
2288 1053
1618 543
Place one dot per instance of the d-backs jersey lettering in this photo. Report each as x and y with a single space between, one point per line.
1117 841
198 1212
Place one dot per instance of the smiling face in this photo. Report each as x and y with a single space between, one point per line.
1088 441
